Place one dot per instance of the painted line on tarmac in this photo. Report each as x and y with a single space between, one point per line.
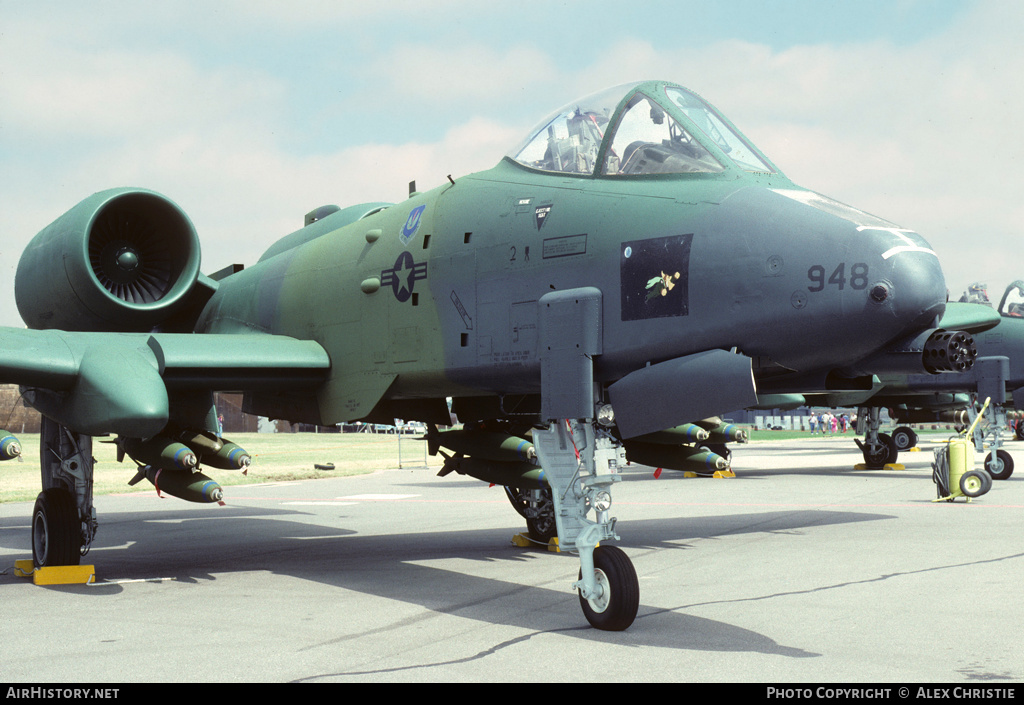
378 497
312 502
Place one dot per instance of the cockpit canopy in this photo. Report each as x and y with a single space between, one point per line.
1012 303
634 129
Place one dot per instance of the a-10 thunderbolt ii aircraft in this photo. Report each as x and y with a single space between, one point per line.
631 266
914 398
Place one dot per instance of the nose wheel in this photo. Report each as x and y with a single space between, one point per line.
581 475
614 605
999 464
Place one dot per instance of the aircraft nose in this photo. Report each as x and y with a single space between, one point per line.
914 289
908 285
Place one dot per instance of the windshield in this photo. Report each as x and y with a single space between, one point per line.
705 118
660 130
649 141
568 140
1013 300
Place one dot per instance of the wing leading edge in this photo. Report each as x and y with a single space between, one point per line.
99 383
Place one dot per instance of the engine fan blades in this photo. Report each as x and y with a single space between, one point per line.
130 258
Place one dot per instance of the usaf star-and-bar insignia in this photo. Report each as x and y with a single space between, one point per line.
403 276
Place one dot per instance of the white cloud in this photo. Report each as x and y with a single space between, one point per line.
924 134
66 92
425 74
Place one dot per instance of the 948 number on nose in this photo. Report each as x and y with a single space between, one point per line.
858 277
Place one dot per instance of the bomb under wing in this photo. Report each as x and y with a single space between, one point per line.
190 486
684 433
720 431
683 457
505 473
161 452
231 456
214 451
487 445
10 446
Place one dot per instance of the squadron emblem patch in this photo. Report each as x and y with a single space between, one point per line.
412 224
654 277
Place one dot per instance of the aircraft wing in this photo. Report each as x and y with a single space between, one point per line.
98 383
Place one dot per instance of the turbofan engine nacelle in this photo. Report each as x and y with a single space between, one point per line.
123 259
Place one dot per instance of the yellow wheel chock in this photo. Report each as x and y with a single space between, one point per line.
55 575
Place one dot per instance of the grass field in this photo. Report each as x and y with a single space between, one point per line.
276 456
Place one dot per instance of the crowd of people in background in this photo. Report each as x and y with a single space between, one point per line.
827 422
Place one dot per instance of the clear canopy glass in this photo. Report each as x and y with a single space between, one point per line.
1012 303
568 140
647 140
657 131
709 122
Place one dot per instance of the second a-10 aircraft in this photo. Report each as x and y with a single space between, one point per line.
914 398
633 265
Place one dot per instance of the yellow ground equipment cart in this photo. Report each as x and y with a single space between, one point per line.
953 470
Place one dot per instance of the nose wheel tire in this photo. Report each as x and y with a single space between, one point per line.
1000 467
615 608
56 529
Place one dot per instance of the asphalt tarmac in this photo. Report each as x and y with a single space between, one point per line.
800 569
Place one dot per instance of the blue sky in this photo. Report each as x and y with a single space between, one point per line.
250 113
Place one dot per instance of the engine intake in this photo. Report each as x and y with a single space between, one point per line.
122 259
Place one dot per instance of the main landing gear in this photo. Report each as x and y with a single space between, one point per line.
63 519
904 438
538 508
879 449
